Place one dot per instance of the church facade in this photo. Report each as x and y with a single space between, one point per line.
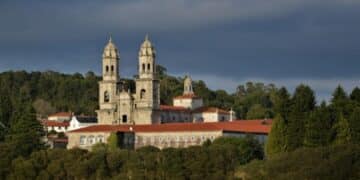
119 106
138 119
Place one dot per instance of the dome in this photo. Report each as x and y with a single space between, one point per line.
146 48
110 50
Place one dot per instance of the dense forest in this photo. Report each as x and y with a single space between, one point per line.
52 91
301 128
212 160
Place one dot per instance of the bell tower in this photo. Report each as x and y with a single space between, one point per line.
188 88
147 98
108 86
110 62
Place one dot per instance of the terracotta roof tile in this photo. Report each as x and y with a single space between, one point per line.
172 108
245 126
61 114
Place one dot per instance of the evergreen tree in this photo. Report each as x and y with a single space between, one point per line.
354 122
26 133
303 102
355 95
276 139
282 102
342 129
318 127
340 102
5 113
303 99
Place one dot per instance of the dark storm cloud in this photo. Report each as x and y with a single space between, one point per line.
281 41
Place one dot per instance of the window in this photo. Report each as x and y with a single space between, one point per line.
106 96
143 67
148 67
107 68
82 140
91 140
112 68
142 93
222 118
124 118
100 139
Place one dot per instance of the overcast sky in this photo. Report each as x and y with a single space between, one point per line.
224 42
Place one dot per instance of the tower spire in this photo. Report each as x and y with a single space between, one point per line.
146 36
110 38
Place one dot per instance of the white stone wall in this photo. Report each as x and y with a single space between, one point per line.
210 117
86 140
188 103
174 139
175 116
59 118
125 108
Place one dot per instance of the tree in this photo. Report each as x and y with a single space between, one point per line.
355 95
43 108
257 111
354 123
282 102
340 102
318 127
303 99
342 128
303 102
276 140
26 132
5 113
113 141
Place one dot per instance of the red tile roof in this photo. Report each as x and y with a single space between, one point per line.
245 126
61 114
49 123
61 140
172 108
210 110
187 96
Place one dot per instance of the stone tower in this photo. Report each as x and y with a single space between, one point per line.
188 89
147 98
108 87
189 99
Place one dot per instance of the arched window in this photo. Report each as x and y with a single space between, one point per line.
148 67
82 140
106 96
124 118
142 93
107 68
112 68
91 140
143 67
100 139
